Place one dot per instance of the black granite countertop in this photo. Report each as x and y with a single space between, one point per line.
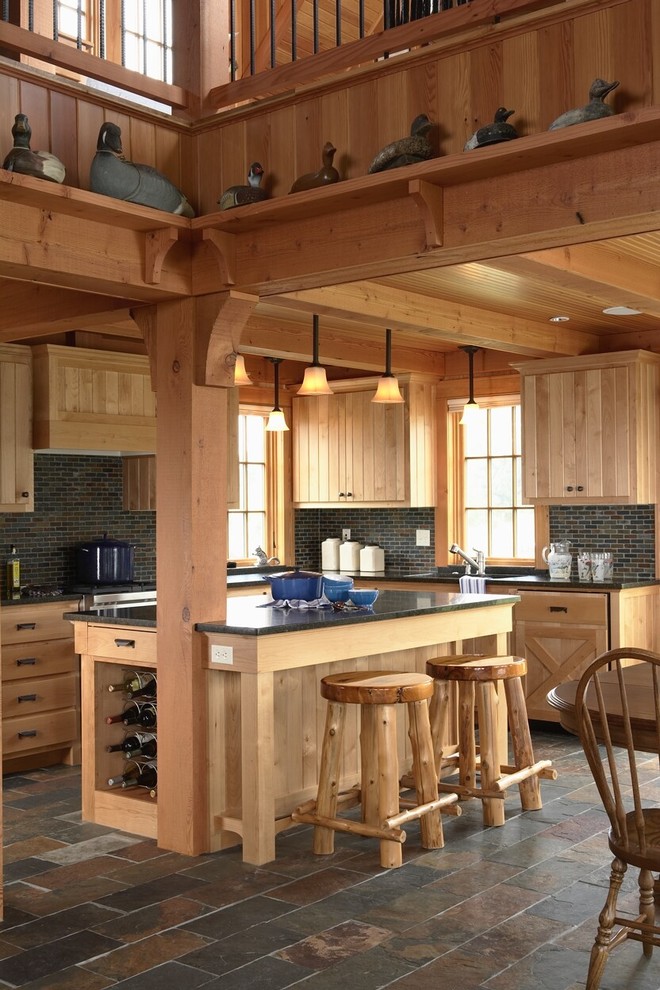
524 578
249 616
56 596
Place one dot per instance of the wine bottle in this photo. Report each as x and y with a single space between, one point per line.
148 714
135 713
128 777
13 569
147 776
135 744
131 683
147 689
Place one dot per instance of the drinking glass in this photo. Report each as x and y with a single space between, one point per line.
584 565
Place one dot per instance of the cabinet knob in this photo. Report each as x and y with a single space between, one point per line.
25 494
341 495
569 488
349 494
580 488
27 733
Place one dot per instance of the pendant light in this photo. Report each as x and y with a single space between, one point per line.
315 381
241 376
388 384
470 407
276 421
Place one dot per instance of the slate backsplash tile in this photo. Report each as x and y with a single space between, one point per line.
628 531
76 498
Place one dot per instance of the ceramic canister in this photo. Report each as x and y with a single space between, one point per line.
372 560
330 554
349 556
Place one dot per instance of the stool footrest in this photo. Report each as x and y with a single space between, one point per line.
447 809
547 771
516 776
468 792
353 828
421 809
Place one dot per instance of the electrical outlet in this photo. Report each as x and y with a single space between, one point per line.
222 654
345 534
423 537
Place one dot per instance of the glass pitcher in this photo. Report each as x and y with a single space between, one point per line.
558 558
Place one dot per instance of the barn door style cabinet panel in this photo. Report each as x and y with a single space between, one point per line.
590 428
350 450
16 457
92 400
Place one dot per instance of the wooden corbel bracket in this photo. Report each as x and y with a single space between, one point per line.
429 200
225 249
157 244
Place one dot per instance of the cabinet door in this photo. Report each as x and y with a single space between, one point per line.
16 456
316 450
559 634
578 436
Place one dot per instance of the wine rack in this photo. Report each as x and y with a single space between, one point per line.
109 654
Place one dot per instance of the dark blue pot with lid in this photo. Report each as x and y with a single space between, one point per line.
105 561
304 585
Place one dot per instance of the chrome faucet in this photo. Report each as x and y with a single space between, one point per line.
478 562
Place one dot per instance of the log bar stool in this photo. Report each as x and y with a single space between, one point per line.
484 760
383 810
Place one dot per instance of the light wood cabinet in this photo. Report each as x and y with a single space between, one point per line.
16 457
590 428
40 687
348 450
92 400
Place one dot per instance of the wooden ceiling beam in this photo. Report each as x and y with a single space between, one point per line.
387 306
29 310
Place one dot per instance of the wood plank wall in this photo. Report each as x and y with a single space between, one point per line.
540 65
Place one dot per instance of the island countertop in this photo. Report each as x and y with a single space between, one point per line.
250 616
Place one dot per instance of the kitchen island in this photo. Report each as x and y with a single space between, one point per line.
265 713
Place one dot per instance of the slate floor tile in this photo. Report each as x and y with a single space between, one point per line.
55 926
73 978
35 963
128 960
29 847
169 976
150 920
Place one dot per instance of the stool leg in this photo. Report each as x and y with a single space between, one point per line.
490 760
521 743
467 760
391 853
439 718
329 773
426 781
369 783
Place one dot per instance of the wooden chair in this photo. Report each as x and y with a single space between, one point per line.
484 771
383 809
605 710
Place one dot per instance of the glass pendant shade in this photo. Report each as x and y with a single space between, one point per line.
471 407
241 376
276 421
388 384
315 381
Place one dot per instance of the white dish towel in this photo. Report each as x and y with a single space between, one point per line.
472 585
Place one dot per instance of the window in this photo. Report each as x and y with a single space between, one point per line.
146 29
73 23
247 525
489 512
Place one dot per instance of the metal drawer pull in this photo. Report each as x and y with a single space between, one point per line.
26 697
26 625
125 642
27 733
26 662
558 608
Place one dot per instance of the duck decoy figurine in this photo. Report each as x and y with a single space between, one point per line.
112 174
21 158
407 150
493 133
326 175
241 195
592 110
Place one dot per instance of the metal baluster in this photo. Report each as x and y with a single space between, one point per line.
5 10
316 25
164 39
361 18
252 38
294 31
30 15
232 40
79 39
144 37
338 23
56 27
388 14
272 35
102 29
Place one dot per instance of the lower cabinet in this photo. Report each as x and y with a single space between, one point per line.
40 687
559 633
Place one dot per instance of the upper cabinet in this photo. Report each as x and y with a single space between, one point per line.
350 450
16 458
92 400
590 428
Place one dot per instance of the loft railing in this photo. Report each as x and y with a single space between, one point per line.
259 47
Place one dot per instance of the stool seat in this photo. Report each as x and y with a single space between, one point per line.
483 771
476 668
383 809
376 687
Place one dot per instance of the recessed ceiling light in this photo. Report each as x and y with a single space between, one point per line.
559 319
622 311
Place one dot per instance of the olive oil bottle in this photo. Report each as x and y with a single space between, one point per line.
13 574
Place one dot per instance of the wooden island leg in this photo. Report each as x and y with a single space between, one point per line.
257 762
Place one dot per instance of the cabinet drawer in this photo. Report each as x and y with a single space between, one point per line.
21 660
27 623
39 694
573 608
26 732
133 647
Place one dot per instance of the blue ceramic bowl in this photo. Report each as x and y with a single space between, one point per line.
336 593
345 580
364 596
